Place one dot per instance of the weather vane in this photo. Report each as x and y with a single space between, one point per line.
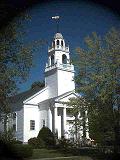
56 18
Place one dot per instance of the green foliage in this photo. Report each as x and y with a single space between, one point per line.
22 151
14 141
7 136
12 150
16 59
98 66
47 136
36 143
64 144
98 79
101 125
77 108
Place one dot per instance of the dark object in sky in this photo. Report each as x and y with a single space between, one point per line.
11 8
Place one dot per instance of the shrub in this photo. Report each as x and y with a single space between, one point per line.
64 144
7 136
47 136
36 143
16 142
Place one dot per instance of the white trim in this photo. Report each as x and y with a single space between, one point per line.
28 99
66 95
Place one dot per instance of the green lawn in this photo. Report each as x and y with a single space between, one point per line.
45 153
76 158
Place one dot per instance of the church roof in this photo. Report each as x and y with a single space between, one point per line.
19 98
57 98
65 94
58 36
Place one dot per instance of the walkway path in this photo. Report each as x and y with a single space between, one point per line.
88 158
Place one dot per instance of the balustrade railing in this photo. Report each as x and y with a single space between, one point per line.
61 66
58 47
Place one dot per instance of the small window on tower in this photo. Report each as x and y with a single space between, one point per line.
43 123
52 60
61 43
57 42
64 59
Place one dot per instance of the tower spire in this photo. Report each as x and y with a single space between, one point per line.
56 18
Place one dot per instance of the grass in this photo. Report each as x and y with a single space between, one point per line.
76 158
45 153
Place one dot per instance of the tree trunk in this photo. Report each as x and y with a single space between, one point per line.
84 128
76 130
5 123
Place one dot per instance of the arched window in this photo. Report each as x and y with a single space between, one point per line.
64 59
53 43
61 43
52 60
57 42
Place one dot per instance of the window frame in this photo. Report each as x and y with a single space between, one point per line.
43 121
64 59
62 43
58 42
52 60
32 125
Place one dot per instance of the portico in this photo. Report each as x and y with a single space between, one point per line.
59 121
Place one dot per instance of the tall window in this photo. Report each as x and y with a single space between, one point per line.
32 124
61 43
64 59
57 42
53 43
52 60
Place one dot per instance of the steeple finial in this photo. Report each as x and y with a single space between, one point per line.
56 18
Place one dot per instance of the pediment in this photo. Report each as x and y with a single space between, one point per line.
65 97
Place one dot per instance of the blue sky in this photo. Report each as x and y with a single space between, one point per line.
77 20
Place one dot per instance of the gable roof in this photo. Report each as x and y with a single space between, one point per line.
66 95
19 98
35 95
58 98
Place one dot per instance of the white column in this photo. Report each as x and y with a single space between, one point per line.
64 120
55 119
49 119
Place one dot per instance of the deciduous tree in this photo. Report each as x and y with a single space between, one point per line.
78 109
98 79
15 61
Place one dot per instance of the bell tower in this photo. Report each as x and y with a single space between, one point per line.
59 72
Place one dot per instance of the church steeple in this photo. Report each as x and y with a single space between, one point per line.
58 53
59 72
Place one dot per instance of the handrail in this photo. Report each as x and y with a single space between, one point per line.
60 66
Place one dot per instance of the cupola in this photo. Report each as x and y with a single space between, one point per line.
58 41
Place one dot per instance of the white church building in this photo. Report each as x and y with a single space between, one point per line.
35 108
